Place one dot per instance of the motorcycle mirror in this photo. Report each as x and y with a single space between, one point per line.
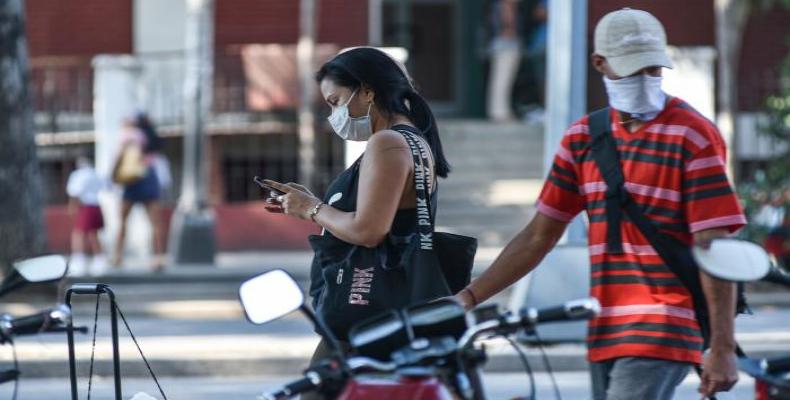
34 270
733 260
42 269
269 296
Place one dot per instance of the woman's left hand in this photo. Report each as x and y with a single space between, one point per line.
294 202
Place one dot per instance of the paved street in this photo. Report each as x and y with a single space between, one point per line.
573 386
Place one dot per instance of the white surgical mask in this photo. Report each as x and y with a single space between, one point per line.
349 128
639 95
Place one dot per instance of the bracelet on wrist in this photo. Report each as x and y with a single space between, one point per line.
314 211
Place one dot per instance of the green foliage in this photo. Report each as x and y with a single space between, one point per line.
769 4
778 129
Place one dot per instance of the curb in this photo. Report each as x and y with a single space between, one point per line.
286 367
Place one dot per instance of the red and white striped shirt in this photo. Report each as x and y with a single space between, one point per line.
674 168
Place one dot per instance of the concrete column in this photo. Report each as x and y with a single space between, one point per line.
192 238
305 65
375 22
115 88
566 83
566 93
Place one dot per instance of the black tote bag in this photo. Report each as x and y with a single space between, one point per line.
360 282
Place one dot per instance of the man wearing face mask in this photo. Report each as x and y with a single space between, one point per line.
647 337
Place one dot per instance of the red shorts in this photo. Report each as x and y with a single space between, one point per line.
89 219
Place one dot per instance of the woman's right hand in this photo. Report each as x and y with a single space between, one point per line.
300 188
273 206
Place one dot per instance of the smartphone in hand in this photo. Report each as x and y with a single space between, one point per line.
272 192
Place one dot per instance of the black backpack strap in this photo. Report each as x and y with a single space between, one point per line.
604 152
422 176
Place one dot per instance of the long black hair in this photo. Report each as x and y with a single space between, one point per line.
153 143
395 93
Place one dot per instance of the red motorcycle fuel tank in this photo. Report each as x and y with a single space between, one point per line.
401 388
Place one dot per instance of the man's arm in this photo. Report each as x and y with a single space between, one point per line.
519 257
719 370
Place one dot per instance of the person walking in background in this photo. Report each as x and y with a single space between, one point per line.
536 35
136 170
648 335
772 214
505 51
83 187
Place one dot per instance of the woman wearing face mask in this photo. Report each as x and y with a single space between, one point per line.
372 100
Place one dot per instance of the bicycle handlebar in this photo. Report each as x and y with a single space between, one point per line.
46 321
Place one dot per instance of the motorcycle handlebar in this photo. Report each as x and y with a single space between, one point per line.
777 276
528 317
310 381
359 364
570 311
315 376
775 365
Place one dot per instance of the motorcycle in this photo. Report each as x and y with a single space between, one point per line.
43 269
425 352
771 375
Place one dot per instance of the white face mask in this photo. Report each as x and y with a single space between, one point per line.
639 95
349 128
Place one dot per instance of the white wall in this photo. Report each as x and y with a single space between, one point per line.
750 144
692 78
159 25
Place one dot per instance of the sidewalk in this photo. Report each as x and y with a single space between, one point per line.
189 322
270 354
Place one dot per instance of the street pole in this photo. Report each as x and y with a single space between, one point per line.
192 236
731 18
305 56
375 22
566 84
566 93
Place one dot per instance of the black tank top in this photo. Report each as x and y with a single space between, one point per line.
342 194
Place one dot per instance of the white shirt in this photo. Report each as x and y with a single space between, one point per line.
85 184
770 216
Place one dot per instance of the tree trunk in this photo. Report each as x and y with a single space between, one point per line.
21 223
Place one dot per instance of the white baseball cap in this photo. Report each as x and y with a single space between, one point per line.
631 40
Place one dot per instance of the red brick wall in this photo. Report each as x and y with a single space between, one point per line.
766 42
688 23
277 21
83 28
59 27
